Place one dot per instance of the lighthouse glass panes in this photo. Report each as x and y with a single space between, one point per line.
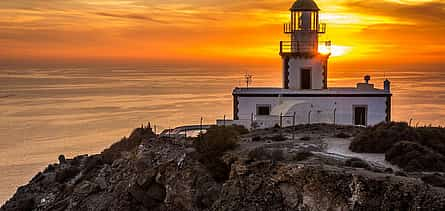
304 21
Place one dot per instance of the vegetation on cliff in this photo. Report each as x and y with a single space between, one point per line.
413 149
211 146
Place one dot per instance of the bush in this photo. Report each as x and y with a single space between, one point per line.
258 154
432 137
300 156
357 163
342 135
257 139
261 153
305 138
212 145
414 157
217 140
238 128
382 137
413 149
277 155
278 138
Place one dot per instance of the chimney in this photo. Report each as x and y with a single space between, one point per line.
387 85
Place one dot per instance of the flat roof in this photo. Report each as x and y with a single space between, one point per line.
329 91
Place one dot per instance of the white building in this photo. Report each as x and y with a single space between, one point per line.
305 97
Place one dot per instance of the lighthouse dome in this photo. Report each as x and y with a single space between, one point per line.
304 5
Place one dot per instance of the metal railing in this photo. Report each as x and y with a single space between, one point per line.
289 28
303 47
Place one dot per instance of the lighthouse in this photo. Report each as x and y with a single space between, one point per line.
305 95
304 67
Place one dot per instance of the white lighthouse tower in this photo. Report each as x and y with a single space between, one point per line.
304 67
305 95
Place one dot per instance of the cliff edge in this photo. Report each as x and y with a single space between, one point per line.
275 169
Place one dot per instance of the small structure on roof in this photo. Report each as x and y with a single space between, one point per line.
305 95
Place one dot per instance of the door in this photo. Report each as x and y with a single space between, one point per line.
306 78
360 115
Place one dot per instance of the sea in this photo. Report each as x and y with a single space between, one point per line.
46 111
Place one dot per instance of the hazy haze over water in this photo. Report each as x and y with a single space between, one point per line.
45 112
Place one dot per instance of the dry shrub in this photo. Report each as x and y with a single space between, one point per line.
212 145
414 157
413 149
262 153
300 156
278 138
382 137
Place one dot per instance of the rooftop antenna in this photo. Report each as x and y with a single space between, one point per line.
248 78
367 78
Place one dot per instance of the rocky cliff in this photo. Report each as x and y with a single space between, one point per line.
263 172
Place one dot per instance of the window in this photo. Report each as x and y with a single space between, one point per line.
263 110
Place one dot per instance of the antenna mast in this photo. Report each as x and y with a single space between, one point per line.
248 77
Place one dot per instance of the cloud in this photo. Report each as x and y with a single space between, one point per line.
426 12
130 16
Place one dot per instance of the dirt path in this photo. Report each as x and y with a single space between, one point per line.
338 146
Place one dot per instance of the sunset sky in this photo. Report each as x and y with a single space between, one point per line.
212 30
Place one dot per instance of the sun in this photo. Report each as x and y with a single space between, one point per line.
334 50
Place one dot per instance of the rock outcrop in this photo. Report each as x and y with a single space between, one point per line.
145 173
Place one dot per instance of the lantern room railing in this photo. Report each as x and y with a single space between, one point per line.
287 47
289 28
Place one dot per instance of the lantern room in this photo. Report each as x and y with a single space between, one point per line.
304 17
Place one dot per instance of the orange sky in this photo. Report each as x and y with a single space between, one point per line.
225 30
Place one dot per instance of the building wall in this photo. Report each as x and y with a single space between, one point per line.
295 64
321 109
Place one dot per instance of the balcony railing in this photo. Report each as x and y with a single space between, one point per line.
287 47
289 28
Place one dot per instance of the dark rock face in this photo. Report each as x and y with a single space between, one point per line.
144 173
